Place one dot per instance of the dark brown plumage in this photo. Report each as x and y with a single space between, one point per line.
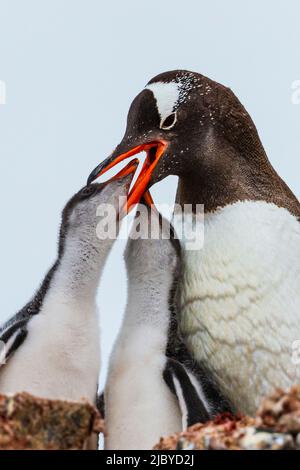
227 161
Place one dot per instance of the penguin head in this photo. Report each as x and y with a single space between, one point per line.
178 119
93 203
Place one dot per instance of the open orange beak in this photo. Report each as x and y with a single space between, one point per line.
129 169
154 152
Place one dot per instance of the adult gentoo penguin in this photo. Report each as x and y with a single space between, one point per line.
52 344
153 388
239 296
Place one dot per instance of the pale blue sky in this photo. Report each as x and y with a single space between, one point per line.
71 69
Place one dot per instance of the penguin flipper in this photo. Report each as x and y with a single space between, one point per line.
11 339
181 382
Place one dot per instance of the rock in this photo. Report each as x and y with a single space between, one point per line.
219 434
281 411
255 439
28 422
276 426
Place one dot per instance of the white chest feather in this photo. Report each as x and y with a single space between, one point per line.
139 406
240 299
60 356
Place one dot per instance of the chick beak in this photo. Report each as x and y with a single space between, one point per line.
154 152
129 169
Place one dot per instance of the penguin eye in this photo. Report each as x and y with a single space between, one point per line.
168 122
88 190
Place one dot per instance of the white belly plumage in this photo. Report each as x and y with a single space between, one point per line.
60 356
239 300
139 407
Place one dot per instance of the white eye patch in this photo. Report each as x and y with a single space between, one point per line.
166 96
169 122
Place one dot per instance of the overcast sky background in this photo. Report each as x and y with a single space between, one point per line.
72 68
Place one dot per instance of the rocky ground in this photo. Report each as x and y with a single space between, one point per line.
28 422
276 426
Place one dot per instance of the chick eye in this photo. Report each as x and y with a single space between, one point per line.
168 122
88 190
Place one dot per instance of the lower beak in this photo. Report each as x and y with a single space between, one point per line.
129 169
154 152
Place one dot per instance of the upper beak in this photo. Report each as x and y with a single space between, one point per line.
154 152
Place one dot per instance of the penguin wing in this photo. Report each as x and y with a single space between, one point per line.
183 384
11 337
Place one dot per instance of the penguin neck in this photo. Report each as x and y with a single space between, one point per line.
148 312
79 268
226 171
148 300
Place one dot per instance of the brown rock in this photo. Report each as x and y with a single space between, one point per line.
28 422
276 426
